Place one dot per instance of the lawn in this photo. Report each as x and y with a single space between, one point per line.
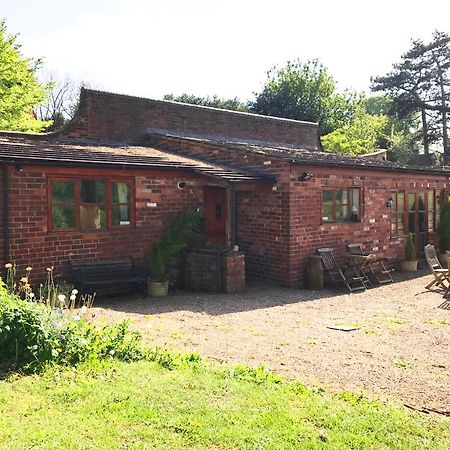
198 405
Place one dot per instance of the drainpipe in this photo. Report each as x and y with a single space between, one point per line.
6 212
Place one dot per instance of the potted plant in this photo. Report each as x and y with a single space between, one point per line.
163 254
410 262
443 231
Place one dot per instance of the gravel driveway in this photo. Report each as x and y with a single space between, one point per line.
400 348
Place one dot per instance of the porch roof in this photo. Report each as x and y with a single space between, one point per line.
23 148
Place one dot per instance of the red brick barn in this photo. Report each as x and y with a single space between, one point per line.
109 183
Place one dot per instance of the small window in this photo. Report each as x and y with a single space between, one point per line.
83 204
339 205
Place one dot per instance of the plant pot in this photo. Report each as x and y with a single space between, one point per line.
156 289
408 266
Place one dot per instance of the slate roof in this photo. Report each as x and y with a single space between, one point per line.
300 155
19 148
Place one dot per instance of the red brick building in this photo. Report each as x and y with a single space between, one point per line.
109 183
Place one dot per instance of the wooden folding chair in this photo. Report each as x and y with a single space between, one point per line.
375 268
441 275
337 275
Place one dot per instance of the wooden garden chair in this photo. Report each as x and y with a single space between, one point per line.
352 282
373 268
441 275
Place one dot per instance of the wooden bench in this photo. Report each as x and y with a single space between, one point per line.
99 275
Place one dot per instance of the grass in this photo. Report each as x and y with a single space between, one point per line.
194 405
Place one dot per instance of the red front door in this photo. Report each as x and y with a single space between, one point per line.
215 203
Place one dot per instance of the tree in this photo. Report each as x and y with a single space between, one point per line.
233 104
19 88
306 91
360 136
61 102
401 134
421 83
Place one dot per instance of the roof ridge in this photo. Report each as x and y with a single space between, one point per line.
194 106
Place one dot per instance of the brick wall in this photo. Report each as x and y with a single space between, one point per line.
374 230
32 243
109 116
278 230
202 271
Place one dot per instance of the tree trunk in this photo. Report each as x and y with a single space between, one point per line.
443 110
426 145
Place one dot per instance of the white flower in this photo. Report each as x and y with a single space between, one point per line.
83 310
61 298
74 292
31 294
54 353
73 297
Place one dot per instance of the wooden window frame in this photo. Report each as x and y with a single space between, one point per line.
434 209
334 205
76 179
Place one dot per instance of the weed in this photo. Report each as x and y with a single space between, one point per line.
402 364
437 321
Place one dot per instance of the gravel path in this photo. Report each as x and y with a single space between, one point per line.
400 349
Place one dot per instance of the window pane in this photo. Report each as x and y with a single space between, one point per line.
411 202
400 201
327 197
327 213
421 222
120 192
430 200
430 221
92 217
121 215
63 191
92 191
411 219
400 226
63 217
342 196
421 201
355 204
342 212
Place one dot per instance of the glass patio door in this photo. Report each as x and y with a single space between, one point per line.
417 224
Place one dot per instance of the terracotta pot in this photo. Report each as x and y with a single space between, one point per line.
408 266
155 289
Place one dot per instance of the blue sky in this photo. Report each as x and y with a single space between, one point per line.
150 48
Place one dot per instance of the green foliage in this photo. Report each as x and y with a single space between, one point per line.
199 406
306 91
173 240
33 334
410 250
443 228
19 89
358 137
420 83
258 375
233 104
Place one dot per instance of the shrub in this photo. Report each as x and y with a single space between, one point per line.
173 240
33 334
410 251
